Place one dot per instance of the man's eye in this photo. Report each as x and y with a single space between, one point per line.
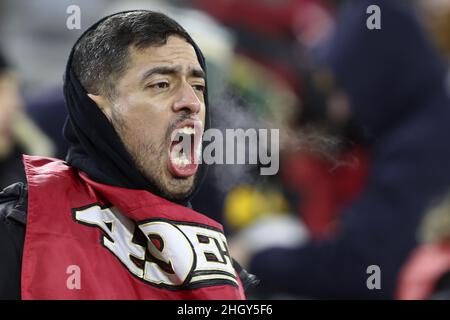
199 87
160 85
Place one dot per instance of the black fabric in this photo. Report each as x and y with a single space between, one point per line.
95 147
11 168
12 233
442 288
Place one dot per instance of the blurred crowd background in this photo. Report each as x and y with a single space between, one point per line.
364 119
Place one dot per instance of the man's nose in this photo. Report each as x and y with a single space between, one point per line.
187 100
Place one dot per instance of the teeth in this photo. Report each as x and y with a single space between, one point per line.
181 160
186 130
178 157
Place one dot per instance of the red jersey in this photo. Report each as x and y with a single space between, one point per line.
87 240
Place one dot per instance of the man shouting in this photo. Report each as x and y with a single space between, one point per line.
113 221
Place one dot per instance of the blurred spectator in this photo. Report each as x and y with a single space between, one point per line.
17 133
427 273
10 105
394 83
323 187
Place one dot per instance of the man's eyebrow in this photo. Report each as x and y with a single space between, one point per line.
197 73
194 72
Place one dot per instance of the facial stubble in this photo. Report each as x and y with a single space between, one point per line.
151 159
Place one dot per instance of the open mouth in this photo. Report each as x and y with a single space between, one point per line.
185 148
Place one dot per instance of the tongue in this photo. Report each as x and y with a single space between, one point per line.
181 166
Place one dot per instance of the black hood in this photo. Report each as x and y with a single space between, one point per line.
95 146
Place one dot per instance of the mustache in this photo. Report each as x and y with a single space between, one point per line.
174 124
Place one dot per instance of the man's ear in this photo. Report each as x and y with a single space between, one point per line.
103 103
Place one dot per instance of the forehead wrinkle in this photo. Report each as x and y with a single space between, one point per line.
170 69
169 56
175 48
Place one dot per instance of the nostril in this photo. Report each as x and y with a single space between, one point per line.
188 106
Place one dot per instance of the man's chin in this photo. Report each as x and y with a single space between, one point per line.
181 188
175 188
